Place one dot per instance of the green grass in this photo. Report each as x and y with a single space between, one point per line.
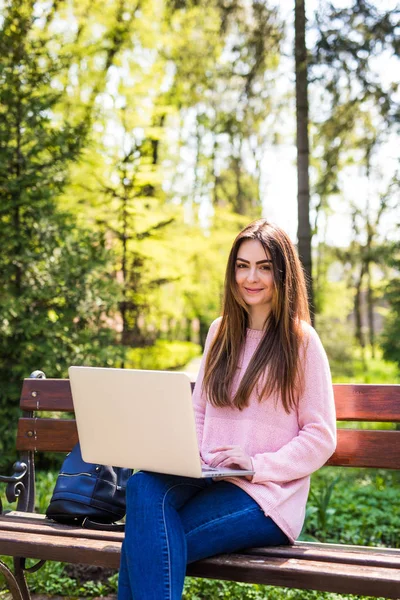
371 370
205 589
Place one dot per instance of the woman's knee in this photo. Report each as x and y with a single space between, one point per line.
141 486
147 486
159 489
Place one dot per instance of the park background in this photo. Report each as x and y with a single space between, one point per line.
137 137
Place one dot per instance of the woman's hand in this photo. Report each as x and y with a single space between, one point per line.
232 457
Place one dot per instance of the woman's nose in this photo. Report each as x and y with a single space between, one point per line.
253 274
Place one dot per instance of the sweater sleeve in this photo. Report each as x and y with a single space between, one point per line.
199 396
316 439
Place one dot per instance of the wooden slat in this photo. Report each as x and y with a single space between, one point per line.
34 523
46 394
322 576
46 435
367 448
367 402
364 556
94 552
359 555
354 402
348 548
292 572
27 521
356 448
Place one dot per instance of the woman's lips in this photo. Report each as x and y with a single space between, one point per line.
253 291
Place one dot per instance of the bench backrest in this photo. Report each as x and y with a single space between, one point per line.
354 402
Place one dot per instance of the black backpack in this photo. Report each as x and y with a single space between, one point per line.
89 495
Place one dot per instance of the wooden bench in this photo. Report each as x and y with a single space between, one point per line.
326 567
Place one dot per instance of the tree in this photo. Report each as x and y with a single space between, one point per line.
303 191
128 184
356 118
224 60
391 334
55 290
131 215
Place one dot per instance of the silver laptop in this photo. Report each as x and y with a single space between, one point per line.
140 420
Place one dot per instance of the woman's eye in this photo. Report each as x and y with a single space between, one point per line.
241 266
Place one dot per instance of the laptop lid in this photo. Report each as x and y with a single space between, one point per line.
136 419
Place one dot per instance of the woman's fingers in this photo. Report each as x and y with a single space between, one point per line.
222 456
230 458
229 462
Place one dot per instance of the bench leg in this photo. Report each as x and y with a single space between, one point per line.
19 564
12 583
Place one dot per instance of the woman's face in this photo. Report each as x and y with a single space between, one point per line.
254 274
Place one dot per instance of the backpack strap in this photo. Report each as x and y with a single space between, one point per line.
89 524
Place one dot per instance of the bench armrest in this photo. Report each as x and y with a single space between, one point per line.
15 485
21 484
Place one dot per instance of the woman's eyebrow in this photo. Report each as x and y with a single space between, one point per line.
259 262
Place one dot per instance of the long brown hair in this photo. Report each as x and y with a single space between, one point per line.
279 348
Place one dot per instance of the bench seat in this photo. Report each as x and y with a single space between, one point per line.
305 565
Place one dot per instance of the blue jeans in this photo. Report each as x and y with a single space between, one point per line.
172 521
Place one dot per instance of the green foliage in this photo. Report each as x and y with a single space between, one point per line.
355 506
207 589
162 356
58 316
373 369
356 114
348 362
391 333
222 57
366 368
52 580
206 258
319 502
46 481
55 291
338 342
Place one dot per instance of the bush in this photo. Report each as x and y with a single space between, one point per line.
163 355
363 507
208 589
338 343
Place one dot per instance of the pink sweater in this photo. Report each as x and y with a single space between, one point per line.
285 449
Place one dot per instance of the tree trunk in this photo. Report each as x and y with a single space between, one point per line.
214 176
358 316
16 199
124 267
240 205
303 193
370 311
197 184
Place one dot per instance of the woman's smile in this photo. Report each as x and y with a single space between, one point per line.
253 291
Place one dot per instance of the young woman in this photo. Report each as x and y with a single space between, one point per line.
263 401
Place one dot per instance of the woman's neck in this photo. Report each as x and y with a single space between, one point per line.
258 317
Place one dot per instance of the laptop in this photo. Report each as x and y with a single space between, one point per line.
140 420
